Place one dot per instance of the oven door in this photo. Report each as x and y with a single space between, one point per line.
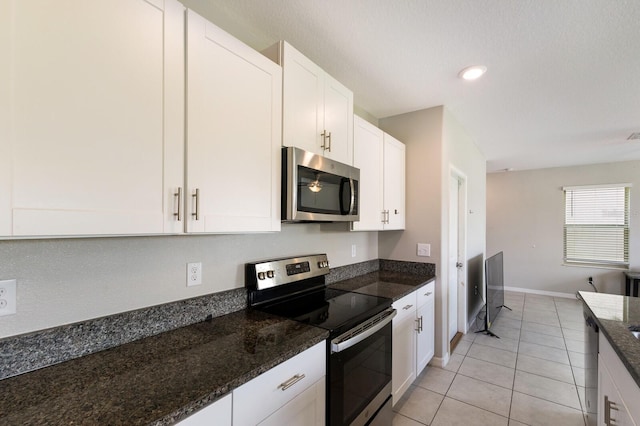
360 371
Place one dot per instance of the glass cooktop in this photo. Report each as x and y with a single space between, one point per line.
331 309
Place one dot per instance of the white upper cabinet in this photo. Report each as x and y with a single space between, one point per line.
368 142
394 183
317 109
91 117
234 107
381 160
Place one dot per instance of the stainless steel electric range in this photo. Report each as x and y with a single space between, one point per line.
359 345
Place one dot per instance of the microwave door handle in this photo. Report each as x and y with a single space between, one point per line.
353 196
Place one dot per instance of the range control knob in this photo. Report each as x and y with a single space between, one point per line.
270 274
261 275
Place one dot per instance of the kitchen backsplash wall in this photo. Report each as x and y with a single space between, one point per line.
31 351
65 281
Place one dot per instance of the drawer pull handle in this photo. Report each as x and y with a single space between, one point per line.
292 381
407 307
429 293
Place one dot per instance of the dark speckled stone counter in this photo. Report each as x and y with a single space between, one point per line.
614 314
390 284
156 380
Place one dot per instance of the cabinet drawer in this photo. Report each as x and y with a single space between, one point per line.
259 398
406 307
426 293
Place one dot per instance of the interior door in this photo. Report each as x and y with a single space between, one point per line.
454 187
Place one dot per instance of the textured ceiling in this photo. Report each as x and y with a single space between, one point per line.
563 80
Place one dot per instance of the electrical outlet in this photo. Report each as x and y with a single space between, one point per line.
7 297
194 274
353 250
424 250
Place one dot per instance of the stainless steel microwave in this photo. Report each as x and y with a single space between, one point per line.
318 189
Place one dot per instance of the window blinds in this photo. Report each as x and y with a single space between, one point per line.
596 226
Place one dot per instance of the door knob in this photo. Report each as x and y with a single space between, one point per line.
458 265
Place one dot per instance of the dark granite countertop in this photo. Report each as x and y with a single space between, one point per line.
156 380
390 284
614 314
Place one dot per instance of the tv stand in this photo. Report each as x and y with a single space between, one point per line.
487 331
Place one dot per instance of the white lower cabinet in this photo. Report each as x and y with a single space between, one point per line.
308 408
425 339
218 413
618 393
413 342
291 393
285 393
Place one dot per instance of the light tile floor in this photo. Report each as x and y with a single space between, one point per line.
532 375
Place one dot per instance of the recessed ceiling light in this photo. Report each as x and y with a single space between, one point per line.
472 73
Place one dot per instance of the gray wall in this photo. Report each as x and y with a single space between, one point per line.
525 218
435 144
69 280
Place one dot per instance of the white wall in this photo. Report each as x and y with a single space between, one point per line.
462 154
435 142
525 217
68 280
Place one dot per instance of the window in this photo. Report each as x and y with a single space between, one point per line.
596 225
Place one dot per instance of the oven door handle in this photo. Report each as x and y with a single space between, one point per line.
361 332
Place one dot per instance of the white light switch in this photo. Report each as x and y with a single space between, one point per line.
424 250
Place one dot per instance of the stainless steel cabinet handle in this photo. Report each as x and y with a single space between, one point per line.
608 406
292 381
417 320
324 145
429 293
196 197
329 137
178 195
420 323
407 307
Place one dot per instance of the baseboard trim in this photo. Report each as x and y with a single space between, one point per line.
541 292
439 362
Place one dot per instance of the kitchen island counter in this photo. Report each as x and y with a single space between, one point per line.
613 315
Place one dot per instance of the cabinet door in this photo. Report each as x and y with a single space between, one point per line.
233 133
367 156
611 408
404 357
394 182
216 414
338 120
308 408
425 344
90 145
403 346
279 386
303 101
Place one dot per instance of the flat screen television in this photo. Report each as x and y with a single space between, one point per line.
494 277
